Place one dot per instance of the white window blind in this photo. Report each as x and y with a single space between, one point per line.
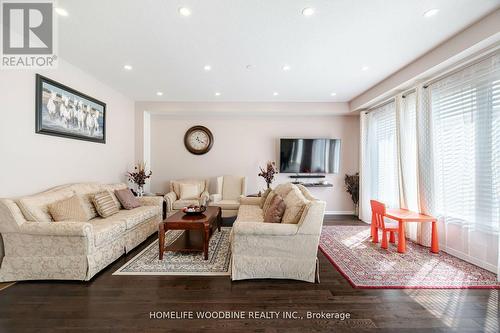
382 155
466 131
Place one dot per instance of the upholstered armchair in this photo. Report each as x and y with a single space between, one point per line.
186 192
229 191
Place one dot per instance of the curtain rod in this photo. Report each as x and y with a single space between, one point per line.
384 103
461 68
390 100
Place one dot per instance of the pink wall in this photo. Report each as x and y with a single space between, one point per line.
242 143
33 162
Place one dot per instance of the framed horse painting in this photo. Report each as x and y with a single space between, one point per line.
65 112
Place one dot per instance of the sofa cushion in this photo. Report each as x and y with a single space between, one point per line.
136 216
189 191
226 204
175 185
104 204
269 199
264 197
250 213
35 207
179 204
86 191
70 209
232 187
284 189
107 230
112 188
295 203
127 199
275 212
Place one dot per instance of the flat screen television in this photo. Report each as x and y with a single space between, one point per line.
309 155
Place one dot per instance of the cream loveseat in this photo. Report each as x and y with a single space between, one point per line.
37 248
276 250
176 202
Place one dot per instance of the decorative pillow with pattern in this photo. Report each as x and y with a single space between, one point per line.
104 204
284 189
295 204
275 212
189 191
127 199
269 199
263 197
70 209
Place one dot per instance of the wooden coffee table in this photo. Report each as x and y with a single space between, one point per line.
192 240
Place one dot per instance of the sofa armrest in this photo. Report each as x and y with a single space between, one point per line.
250 201
215 197
151 201
263 228
80 229
170 198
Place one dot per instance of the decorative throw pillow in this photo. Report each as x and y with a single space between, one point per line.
275 212
104 204
127 199
269 199
284 189
263 197
295 203
89 205
70 209
189 191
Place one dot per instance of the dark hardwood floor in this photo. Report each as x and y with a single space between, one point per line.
123 304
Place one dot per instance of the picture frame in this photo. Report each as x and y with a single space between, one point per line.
65 112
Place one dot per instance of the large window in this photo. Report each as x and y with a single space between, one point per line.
381 178
466 141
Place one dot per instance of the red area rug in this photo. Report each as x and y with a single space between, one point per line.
365 265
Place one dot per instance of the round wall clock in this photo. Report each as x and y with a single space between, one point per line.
198 140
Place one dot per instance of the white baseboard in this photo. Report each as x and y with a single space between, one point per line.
465 257
339 212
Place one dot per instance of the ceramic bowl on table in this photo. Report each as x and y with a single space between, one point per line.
194 210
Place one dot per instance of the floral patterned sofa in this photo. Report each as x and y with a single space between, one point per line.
37 248
276 250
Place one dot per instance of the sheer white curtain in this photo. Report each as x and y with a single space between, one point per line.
437 150
379 160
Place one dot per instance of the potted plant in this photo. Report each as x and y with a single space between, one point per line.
139 177
352 187
268 173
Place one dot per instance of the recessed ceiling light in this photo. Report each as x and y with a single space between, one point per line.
333 94
184 11
286 68
159 93
308 11
61 11
217 94
207 68
275 93
431 12
365 68
127 67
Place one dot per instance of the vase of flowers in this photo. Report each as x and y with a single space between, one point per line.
268 172
352 187
139 177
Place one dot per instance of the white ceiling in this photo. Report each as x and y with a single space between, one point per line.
325 51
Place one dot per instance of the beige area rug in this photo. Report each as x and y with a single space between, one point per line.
177 263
